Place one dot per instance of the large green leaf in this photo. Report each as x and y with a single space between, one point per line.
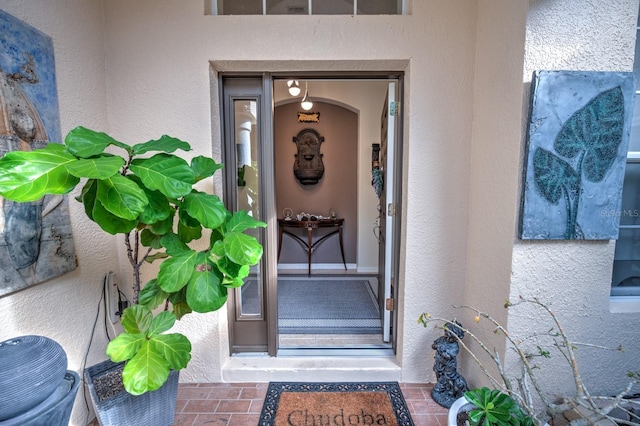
137 319
149 239
208 209
97 167
205 292
176 271
30 175
175 349
122 197
162 322
188 233
88 197
168 174
234 274
124 346
242 248
85 143
146 371
552 174
597 130
162 227
241 221
204 167
109 222
174 245
158 209
165 144
152 295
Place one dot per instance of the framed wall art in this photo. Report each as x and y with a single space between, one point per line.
35 238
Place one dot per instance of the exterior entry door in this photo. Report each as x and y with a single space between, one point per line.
387 256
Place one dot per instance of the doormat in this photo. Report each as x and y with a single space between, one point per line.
334 404
319 306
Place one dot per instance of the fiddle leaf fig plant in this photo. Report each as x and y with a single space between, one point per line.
147 193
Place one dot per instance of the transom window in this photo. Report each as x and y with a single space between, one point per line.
626 264
308 7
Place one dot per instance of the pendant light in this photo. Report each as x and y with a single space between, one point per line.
294 87
306 103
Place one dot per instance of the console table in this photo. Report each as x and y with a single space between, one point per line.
309 245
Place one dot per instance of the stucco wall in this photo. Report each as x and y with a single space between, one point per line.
146 71
158 54
64 308
574 277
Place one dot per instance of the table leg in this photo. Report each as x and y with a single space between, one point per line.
309 248
342 248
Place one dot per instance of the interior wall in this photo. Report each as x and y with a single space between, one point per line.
336 190
64 308
366 97
574 277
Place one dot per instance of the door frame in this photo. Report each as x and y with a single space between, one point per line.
270 267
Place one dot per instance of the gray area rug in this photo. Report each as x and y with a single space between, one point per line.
322 306
327 307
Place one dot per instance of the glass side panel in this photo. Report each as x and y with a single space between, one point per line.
248 191
239 7
379 7
332 7
287 7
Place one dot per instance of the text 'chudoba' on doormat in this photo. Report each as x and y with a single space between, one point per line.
334 404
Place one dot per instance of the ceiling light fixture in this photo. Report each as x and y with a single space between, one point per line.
306 103
294 87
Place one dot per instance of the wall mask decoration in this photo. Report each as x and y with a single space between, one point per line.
308 167
577 146
35 238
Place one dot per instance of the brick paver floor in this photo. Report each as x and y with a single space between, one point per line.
239 404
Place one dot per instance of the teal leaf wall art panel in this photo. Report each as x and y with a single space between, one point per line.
577 139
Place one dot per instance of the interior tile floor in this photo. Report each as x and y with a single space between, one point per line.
239 404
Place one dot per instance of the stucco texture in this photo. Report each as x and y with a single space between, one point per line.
146 68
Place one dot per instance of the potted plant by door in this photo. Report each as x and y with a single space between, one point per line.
487 407
147 194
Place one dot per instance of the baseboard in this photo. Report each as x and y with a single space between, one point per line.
316 266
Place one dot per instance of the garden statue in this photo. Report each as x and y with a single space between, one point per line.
450 385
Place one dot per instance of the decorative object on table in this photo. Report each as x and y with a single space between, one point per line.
332 213
36 243
364 403
577 146
450 385
287 213
308 167
152 202
308 117
303 216
35 386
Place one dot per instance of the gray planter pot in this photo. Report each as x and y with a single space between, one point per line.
152 408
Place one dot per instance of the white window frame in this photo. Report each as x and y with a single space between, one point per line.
211 7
